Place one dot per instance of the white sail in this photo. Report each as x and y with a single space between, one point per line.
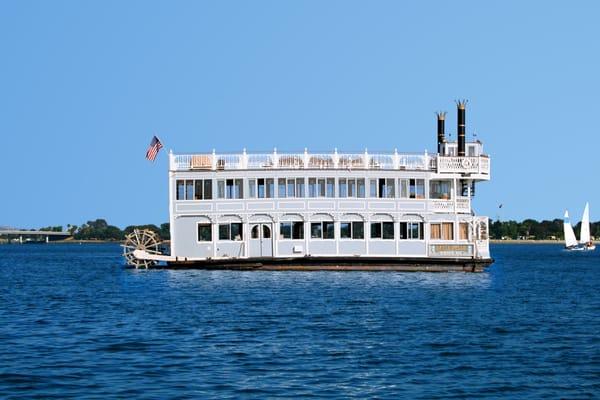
585 225
570 239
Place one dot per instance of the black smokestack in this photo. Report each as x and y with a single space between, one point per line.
461 104
441 136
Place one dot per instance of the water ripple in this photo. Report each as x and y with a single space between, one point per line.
73 323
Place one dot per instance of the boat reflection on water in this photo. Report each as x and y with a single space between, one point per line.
292 280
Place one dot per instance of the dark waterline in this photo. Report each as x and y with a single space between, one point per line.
74 323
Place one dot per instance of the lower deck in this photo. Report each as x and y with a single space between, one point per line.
404 264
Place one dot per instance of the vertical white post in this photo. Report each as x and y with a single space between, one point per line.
396 160
172 211
336 158
214 160
244 159
21 239
367 233
366 159
275 237
306 236
275 158
306 158
215 236
47 239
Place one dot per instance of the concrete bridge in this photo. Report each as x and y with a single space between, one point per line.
22 233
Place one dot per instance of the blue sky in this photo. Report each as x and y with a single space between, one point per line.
85 84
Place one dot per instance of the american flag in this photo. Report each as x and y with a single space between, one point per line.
155 146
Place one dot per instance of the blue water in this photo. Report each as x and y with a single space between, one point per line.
74 323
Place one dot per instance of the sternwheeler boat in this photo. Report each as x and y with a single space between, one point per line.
325 211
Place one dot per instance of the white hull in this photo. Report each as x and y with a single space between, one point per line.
581 248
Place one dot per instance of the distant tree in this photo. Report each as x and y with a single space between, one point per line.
151 227
52 228
98 230
165 233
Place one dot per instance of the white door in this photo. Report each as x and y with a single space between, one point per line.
261 240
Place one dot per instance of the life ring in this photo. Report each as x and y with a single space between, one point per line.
466 163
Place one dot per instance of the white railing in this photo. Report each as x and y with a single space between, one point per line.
335 160
468 165
463 205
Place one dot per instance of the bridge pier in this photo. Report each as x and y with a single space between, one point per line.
47 238
21 239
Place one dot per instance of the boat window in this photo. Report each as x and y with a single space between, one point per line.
221 189
382 230
417 188
281 186
352 230
343 187
232 231
403 185
203 189
345 230
440 189
266 188
291 230
321 187
189 189
472 150
383 187
300 187
330 187
252 188
180 190
442 231
224 232
411 231
266 232
463 231
358 230
254 233
322 230
291 187
351 187
312 187
208 189
230 188
204 233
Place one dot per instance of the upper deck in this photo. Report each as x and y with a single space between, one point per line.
476 163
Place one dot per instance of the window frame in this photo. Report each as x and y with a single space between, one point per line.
205 186
230 231
292 231
441 224
323 230
414 194
405 229
203 224
382 235
435 186
353 230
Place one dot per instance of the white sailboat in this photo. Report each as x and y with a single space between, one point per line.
585 242
584 238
